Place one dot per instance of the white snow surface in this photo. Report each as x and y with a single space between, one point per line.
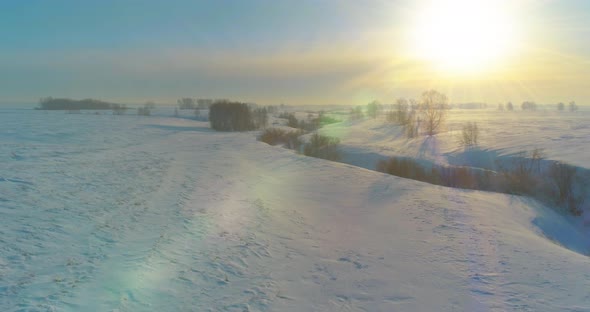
128 213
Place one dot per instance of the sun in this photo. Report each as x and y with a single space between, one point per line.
464 36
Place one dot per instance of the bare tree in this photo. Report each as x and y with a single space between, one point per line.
373 109
573 106
469 134
149 105
356 113
529 105
186 103
402 110
434 110
509 106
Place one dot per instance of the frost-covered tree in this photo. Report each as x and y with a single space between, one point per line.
433 106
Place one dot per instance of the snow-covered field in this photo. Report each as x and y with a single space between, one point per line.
129 213
563 136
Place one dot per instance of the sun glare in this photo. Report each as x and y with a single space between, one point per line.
464 36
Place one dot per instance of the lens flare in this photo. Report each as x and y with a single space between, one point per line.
464 36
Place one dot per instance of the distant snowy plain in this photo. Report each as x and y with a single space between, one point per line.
130 213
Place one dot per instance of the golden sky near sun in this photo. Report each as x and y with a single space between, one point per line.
297 52
491 50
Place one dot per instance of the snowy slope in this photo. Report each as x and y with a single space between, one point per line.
121 213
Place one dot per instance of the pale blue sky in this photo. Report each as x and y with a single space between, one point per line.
270 52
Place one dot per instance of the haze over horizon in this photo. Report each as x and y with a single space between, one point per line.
295 52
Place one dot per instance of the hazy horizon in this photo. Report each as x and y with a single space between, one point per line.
296 53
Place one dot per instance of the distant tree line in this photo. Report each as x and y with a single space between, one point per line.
532 106
50 103
190 103
226 115
572 107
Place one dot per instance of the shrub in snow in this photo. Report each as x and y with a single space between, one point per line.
321 146
523 174
143 111
461 177
275 136
563 177
323 120
405 168
292 121
119 109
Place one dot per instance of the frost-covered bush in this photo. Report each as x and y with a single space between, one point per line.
322 146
